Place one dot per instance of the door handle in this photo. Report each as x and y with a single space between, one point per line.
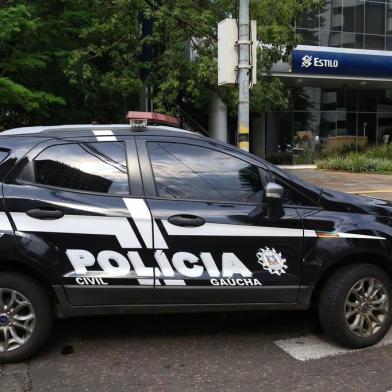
45 213
186 220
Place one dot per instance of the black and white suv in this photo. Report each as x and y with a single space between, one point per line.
115 219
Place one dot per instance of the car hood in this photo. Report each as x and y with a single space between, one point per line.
355 203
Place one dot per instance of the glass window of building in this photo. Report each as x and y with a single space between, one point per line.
374 18
353 16
375 42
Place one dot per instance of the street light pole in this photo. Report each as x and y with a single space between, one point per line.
244 69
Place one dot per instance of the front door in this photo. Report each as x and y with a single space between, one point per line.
220 246
71 206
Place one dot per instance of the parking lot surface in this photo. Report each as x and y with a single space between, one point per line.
373 185
258 351
210 352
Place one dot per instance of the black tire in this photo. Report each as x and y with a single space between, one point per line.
332 304
39 298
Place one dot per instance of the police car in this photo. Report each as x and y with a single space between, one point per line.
141 218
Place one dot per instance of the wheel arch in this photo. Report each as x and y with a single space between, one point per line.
32 271
380 261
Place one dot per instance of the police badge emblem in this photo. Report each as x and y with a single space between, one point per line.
272 261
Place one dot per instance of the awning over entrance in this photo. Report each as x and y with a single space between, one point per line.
336 67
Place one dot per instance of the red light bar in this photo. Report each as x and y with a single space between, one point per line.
153 117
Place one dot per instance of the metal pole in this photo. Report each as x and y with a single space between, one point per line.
244 68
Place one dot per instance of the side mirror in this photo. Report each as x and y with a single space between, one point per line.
273 198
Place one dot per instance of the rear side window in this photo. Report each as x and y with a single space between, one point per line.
90 167
3 154
184 171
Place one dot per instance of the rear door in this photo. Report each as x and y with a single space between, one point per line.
220 246
76 211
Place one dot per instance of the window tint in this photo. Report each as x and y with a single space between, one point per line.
183 171
292 197
3 154
90 167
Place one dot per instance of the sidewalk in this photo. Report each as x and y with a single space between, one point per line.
373 185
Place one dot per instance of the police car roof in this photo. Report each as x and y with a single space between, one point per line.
87 127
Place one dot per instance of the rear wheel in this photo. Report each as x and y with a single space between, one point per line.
355 305
25 316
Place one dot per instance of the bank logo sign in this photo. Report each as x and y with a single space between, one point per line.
308 61
323 60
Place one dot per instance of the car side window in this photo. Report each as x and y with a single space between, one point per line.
184 171
90 167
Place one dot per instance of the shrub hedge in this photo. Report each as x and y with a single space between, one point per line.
375 159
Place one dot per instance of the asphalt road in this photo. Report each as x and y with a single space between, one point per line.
280 351
198 352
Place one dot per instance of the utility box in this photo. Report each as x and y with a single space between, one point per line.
228 51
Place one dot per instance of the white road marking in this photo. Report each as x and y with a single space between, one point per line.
312 347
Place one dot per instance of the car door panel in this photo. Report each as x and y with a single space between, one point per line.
224 252
231 257
87 247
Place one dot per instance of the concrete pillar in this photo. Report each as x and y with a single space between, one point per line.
217 118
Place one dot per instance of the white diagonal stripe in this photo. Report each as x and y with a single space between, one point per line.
226 230
159 241
310 347
174 282
4 222
360 236
142 218
149 282
310 234
80 224
140 213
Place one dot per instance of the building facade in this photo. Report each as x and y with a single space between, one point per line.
339 83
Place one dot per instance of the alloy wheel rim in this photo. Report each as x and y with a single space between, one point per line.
17 319
366 307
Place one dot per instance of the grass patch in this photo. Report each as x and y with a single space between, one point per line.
374 160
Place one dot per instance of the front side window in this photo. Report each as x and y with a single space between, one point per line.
184 171
293 197
90 167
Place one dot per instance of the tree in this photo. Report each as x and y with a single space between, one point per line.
19 57
184 67
79 61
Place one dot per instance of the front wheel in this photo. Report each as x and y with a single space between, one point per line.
25 316
355 305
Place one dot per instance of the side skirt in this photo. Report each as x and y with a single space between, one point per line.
65 309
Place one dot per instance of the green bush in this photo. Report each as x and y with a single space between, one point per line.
376 159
